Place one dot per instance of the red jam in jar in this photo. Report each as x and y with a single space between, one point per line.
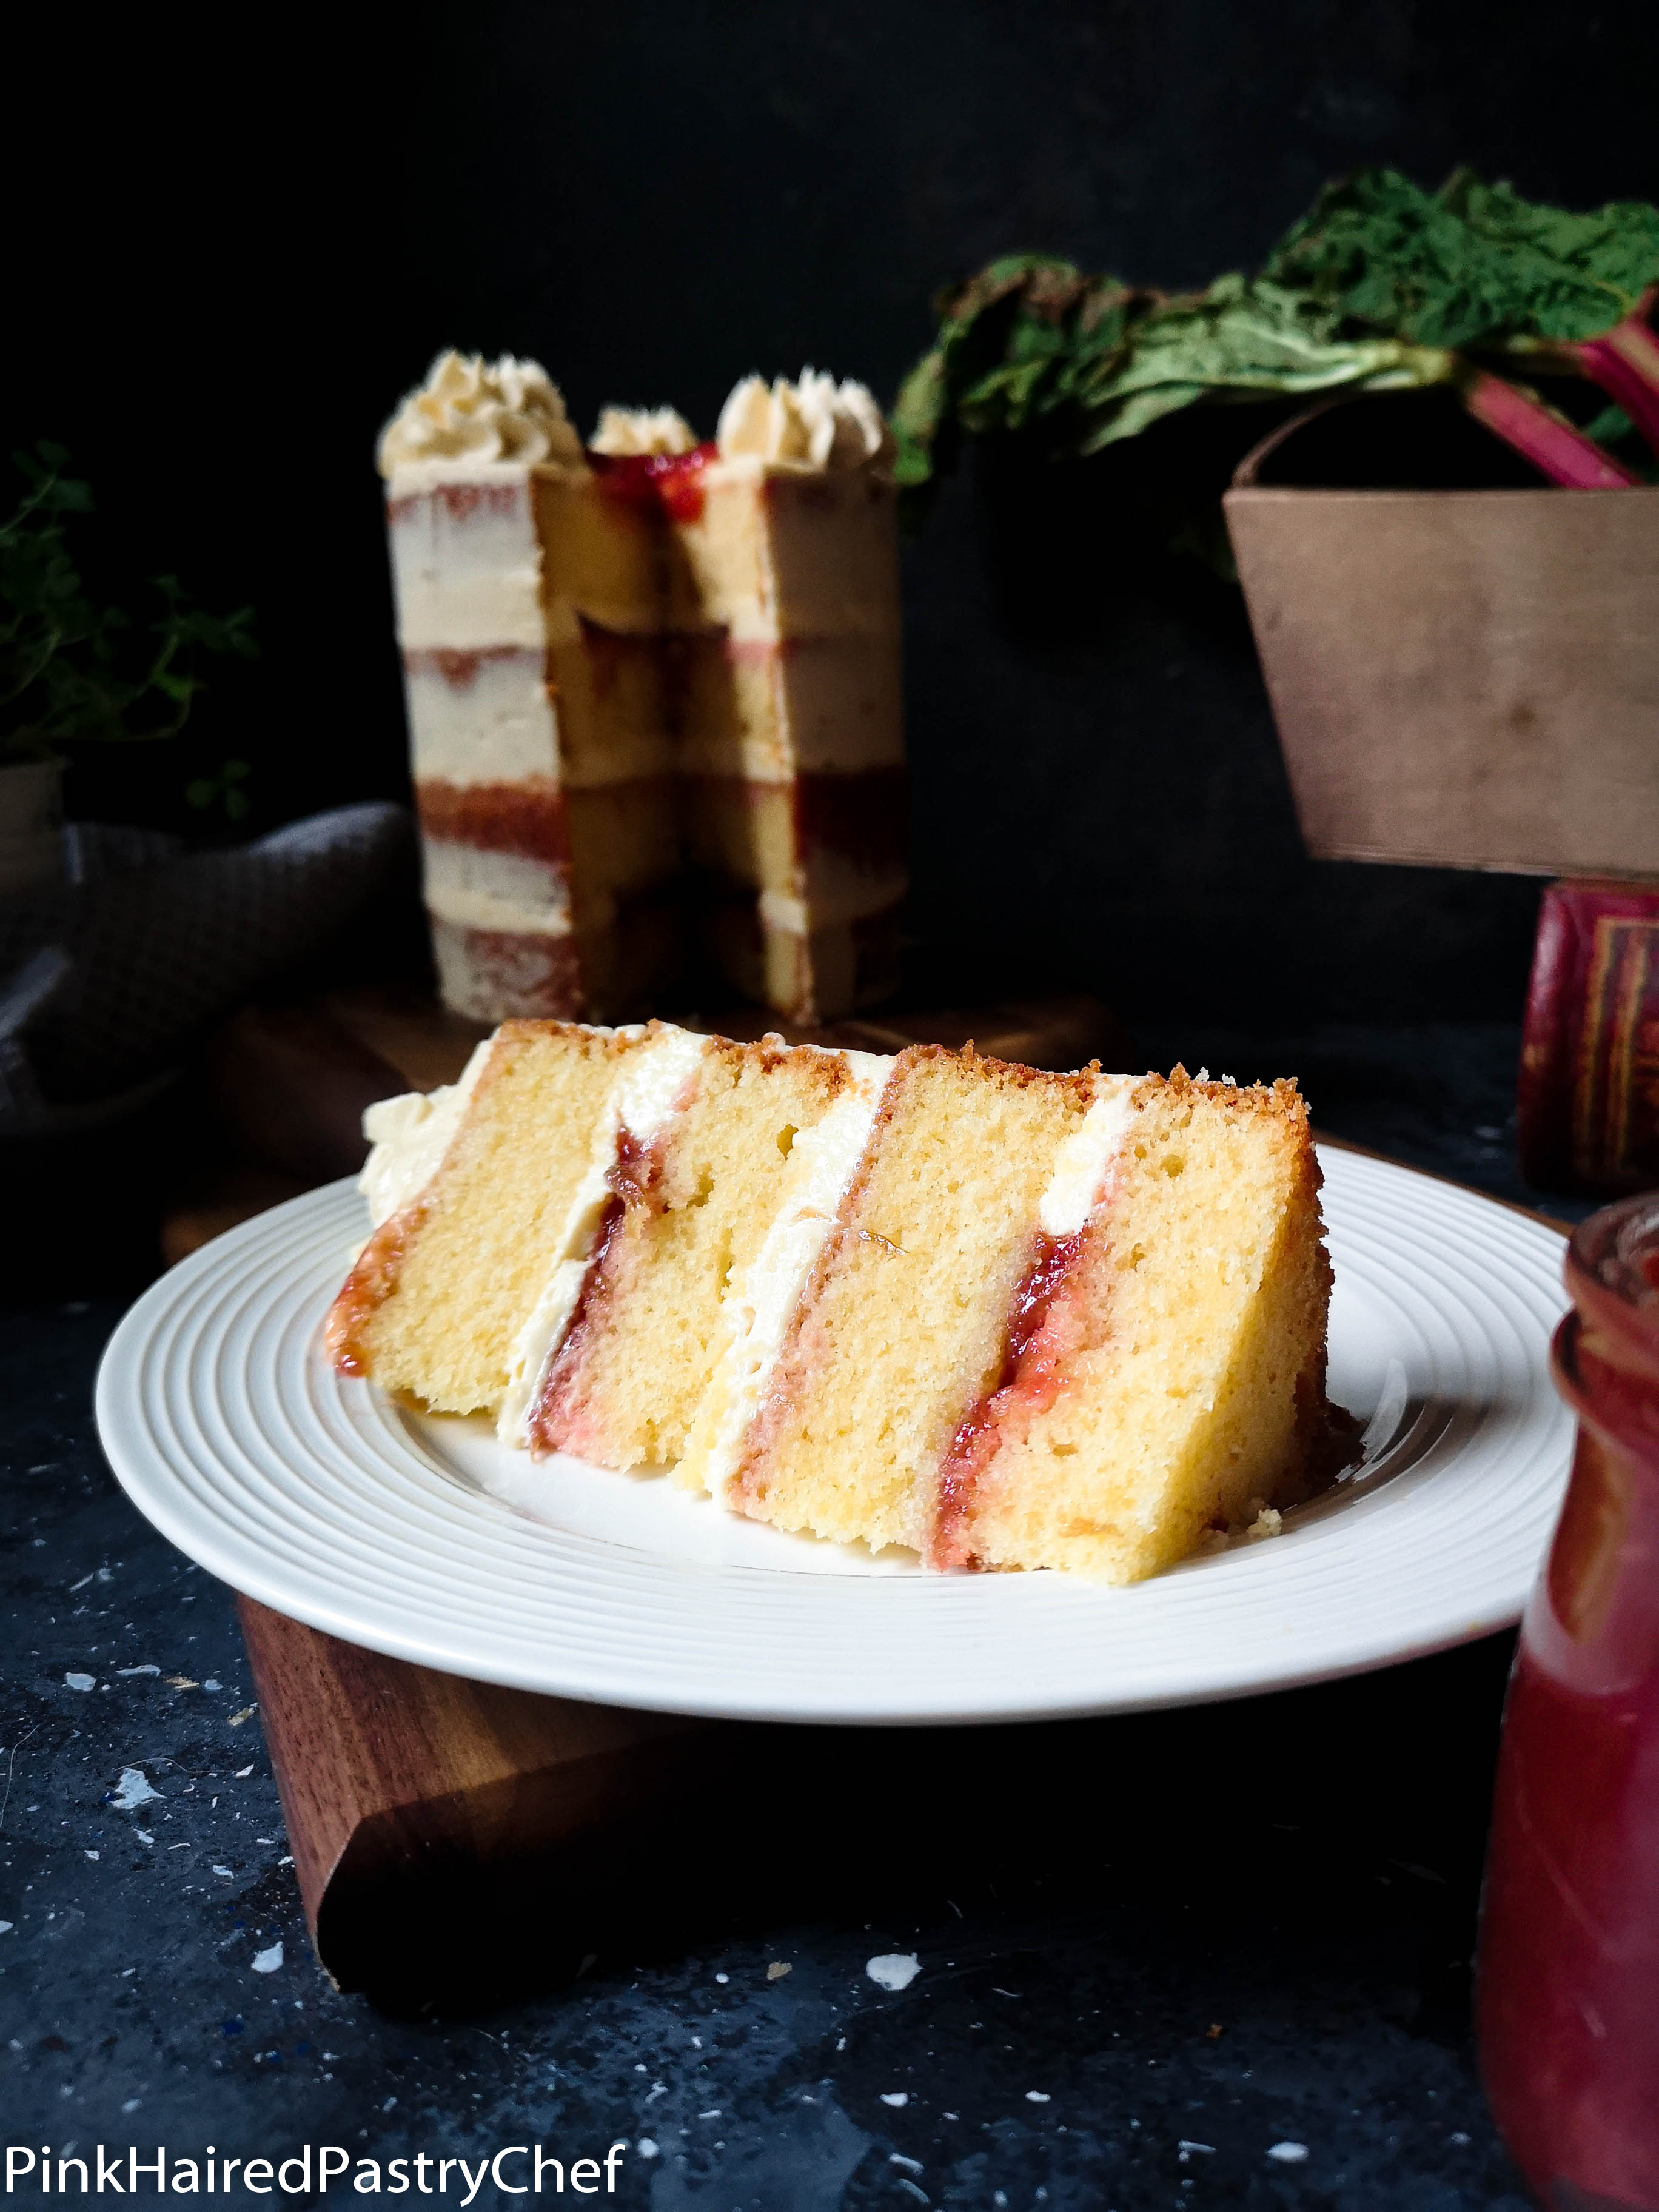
1567 1997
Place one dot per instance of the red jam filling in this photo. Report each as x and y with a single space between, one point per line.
368 1287
458 666
631 1181
527 818
671 482
1028 1379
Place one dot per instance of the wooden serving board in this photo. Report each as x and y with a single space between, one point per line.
448 1834
420 1806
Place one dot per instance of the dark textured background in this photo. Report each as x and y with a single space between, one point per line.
228 269
223 266
1152 1947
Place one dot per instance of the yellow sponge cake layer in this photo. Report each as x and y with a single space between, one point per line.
825 564
1006 1318
1176 1381
903 1323
691 1208
437 1302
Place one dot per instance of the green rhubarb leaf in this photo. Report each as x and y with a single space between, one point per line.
1609 425
1017 345
1472 264
1381 286
1241 340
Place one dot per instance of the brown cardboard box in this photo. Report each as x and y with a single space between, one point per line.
1461 678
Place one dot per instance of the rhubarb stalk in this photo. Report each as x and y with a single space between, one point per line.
1624 362
1547 440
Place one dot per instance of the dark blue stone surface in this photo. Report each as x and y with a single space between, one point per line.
1157 1955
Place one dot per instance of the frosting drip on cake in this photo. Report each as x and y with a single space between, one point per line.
815 424
625 431
759 1311
472 410
657 1079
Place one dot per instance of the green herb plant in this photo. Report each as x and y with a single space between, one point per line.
73 671
1381 287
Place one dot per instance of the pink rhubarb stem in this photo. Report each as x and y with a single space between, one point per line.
1547 440
1624 362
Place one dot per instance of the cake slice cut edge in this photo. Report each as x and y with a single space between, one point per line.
1006 1319
901 1324
1172 1384
693 1202
472 1188
1147 1354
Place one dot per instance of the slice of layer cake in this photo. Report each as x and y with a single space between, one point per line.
651 651
785 605
690 1200
1139 1360
1083 1328
1165 1368
529 614
901 1322
471 1190
1006 1318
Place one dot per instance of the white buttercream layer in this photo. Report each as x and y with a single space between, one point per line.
466 557
1085 1161
480 889
758 1310
408 1136
496 724
655 1081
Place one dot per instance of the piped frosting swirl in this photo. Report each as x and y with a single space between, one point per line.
815 424
624 432
473 409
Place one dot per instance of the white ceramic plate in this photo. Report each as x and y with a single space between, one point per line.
424 1538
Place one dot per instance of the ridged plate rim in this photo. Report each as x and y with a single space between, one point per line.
318 1497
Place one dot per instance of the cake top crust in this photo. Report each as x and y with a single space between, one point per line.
1081 1084
1280 1101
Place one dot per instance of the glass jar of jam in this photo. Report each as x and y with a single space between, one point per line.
1567 1998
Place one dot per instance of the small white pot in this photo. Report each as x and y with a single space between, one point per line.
31 824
